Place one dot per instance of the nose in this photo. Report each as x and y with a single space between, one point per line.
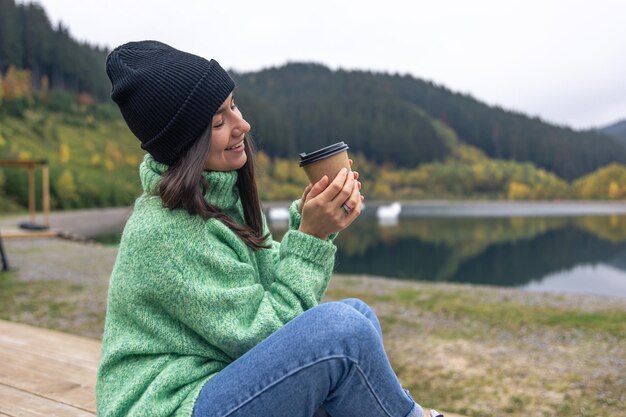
241 126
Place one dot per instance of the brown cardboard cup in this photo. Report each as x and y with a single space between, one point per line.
325 161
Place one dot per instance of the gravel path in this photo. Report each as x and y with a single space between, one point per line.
87 223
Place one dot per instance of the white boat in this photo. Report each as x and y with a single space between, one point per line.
389 212
278 213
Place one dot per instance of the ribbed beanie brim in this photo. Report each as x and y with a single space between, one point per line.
167 97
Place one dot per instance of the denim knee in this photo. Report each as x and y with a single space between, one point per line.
358 304
342 323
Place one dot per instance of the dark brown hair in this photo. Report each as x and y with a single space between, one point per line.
179 189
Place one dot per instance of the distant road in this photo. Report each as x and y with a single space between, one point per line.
85 222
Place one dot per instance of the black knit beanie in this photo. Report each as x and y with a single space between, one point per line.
167 97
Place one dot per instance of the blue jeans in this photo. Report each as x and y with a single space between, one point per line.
328 360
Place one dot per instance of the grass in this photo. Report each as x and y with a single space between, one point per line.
56 304
485 352
511 315
461 304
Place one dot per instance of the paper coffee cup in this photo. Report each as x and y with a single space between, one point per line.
325 161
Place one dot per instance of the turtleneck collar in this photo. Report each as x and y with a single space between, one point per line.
222 191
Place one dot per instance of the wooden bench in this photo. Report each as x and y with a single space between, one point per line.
46 373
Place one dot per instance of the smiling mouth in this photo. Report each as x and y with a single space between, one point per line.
240 144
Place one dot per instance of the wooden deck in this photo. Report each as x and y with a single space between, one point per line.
46 373
49 373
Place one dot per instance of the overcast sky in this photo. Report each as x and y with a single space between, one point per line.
561 60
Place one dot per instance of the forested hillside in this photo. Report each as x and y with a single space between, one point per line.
54 59
385 116
617 130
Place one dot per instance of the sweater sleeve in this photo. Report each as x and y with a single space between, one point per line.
295 217
212 289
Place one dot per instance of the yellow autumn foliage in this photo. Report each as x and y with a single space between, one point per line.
17 84
518 191
24 155
66 188
109 165
605 183
111 151
64 153
131 160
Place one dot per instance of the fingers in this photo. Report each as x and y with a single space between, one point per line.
304 197
306 191
318 187
345 191
354 202
336 187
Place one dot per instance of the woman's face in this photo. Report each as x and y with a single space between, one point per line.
228 129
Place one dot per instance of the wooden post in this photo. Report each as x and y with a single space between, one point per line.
45 185
5 261
31 193
31 166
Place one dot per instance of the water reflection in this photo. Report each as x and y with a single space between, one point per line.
593 279
564 253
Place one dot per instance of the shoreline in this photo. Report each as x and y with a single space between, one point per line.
608 206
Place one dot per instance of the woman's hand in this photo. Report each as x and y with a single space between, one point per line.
330 208
308 188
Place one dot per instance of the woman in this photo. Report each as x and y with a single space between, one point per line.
207 315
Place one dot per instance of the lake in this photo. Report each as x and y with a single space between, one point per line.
565 247
568 247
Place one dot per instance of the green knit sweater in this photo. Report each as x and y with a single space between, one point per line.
187 297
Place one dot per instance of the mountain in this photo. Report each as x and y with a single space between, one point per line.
616 130
54 58
386 116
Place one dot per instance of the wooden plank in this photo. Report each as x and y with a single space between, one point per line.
15 402
45 190
47 378
50 365
50 344
22 164
31 193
